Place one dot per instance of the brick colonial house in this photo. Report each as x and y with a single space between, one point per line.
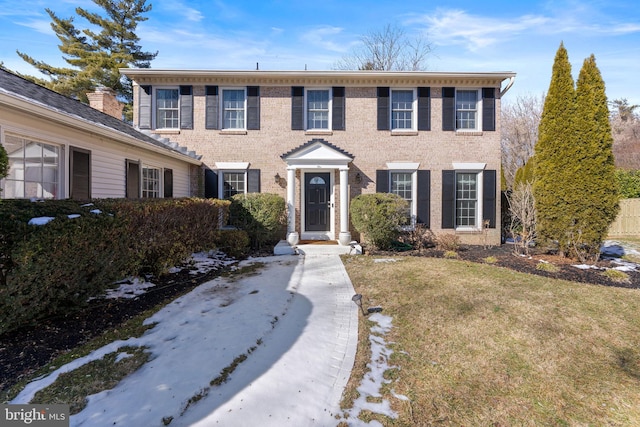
60 148
320 138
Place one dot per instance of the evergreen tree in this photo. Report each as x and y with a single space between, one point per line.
554 168
594 170
95 57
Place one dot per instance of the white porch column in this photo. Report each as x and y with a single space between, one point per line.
345 236
292 236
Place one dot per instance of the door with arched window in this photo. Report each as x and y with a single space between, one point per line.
317 201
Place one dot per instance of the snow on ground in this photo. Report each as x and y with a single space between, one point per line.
198 335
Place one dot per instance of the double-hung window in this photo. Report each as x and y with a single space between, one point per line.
167 108
233 109
402 185
34 169
466 199
150 182
233 183
318 108
402 109
467 109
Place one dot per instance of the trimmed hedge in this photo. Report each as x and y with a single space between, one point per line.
261 215
56 267
379 217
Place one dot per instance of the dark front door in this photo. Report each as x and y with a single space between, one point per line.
317 201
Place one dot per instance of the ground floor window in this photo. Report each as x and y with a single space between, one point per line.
150 182
402 185
466 199
233 183
34 169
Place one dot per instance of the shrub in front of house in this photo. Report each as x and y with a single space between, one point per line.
52 268
84 249
261 215
379 217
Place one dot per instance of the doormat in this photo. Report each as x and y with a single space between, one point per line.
317 242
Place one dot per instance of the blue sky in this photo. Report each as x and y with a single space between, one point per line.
496 35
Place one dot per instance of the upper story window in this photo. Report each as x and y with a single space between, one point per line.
233 108
402 109
167 108
467 109
318 108
34 169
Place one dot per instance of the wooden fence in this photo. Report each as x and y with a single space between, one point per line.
628 221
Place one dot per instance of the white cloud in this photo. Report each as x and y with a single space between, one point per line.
325 38
42 26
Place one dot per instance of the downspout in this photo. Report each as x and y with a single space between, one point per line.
512 79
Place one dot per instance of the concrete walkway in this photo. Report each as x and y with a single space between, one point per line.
315 370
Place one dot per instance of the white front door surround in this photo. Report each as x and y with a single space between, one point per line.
318 156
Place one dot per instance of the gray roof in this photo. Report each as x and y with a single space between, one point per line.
20 87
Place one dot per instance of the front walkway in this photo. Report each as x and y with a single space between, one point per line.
304 386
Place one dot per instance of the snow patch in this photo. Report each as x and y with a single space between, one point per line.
41 220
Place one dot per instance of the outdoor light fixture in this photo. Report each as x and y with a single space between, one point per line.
357 299
358 178
277 178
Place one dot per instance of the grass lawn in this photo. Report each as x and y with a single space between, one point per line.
479 345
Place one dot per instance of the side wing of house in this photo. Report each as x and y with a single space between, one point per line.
58 155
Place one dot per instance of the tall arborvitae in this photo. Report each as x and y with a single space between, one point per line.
94 58
554 167
593 162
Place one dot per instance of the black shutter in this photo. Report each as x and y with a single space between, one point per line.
489 197
186 107
211 109
382 181
489 109
253 107
297 108
132 179
383 108
448 108
144 107
80 166
424 198
253 181
448 198
210 184
424 108
337 118
168 183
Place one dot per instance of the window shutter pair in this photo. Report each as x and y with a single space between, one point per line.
423 198
449 198
145 107
423 113
212 107
337 113
449 109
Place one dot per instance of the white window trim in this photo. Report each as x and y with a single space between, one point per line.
329 107
154 98
221 118
478 169
478 127
230 167
414 110
38 137
405 167
160 170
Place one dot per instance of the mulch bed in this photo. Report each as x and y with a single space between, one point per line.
25 350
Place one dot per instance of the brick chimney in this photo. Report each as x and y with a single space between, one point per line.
104 99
